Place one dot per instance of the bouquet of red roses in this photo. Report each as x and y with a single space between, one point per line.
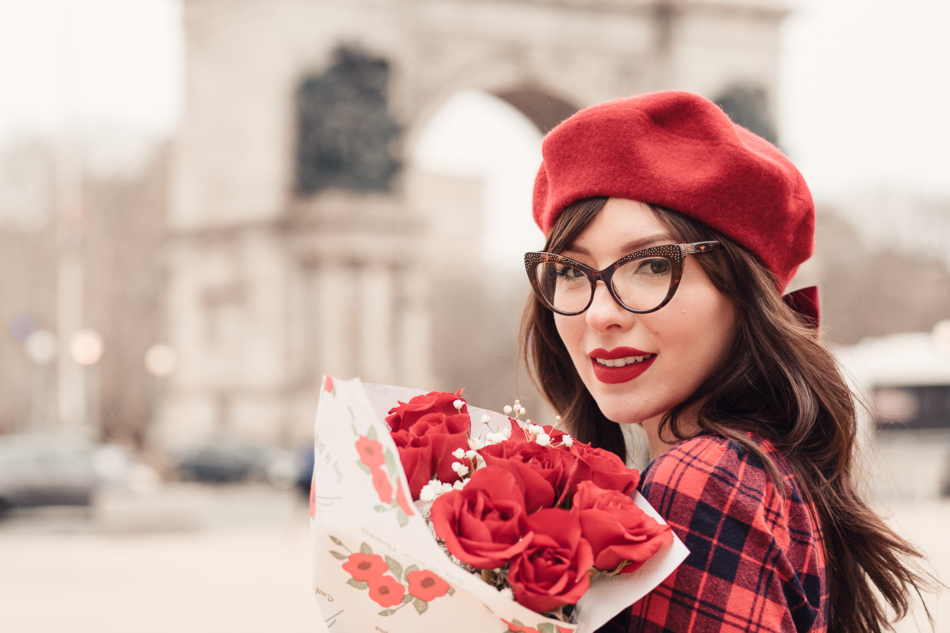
535 509
502 520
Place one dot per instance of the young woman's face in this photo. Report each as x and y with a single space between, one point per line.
684 342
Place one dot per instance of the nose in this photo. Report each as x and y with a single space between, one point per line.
604 313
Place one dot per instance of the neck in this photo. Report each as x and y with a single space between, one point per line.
658 444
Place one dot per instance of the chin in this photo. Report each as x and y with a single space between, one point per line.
622 411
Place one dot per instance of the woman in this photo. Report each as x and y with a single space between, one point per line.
671 235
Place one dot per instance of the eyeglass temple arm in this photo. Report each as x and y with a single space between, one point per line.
700 247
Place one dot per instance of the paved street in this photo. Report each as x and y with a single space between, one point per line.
246 571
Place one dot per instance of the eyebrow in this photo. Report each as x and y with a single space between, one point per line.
631 246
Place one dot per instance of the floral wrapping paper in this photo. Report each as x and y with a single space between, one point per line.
377 566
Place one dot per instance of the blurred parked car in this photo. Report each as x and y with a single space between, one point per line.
230 460
38 469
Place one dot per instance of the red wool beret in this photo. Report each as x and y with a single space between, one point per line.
680 151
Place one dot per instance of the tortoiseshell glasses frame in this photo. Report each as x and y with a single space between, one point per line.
675 254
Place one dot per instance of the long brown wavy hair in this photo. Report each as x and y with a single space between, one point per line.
777 381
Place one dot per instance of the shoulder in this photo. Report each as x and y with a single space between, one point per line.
709 470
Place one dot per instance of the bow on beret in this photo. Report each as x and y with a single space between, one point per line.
680 151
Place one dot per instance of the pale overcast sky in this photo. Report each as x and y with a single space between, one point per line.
865 85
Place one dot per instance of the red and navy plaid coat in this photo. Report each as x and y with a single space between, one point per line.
756 561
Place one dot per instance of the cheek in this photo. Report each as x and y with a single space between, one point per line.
571 331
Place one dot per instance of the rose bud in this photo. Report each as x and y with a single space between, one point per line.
552 571
406 414
618 531
530 462
483 524
603 468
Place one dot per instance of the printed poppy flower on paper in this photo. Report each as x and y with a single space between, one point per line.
383 486
328 384
365 567
426 586
386 591
402 501
515 628
313 499
371 453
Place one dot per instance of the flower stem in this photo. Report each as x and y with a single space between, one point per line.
486 575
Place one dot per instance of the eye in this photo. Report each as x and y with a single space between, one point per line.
654 266
568 272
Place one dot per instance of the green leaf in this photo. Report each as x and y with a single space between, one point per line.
420 605
450 591
517 623
338 555
359 584
371 433
365 468
379 508
406 598
411 569
546 627
403 519
365 549
394 567
337 541
386 612
390 463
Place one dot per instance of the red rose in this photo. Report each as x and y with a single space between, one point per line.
426 586
617 530
402 501
371 453
382 485
416 457
552 571
545 471
386 591
408 413
603 468
483 524
365 566
437 436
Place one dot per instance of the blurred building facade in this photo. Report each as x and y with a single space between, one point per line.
276 276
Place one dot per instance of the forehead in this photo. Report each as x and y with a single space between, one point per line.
622 225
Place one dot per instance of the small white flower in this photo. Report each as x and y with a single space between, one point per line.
428 493
497 438
543 439
507 433
534 428
567 440
458 404
508 593
444 488
507 409
460 468
486 418
470 454
476 443
458 453
458 485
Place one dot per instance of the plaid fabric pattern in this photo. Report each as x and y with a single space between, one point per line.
756 561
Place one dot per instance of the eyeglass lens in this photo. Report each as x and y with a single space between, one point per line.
641 284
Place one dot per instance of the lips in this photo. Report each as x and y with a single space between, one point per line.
637 362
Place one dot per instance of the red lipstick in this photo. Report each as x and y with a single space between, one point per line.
615 375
